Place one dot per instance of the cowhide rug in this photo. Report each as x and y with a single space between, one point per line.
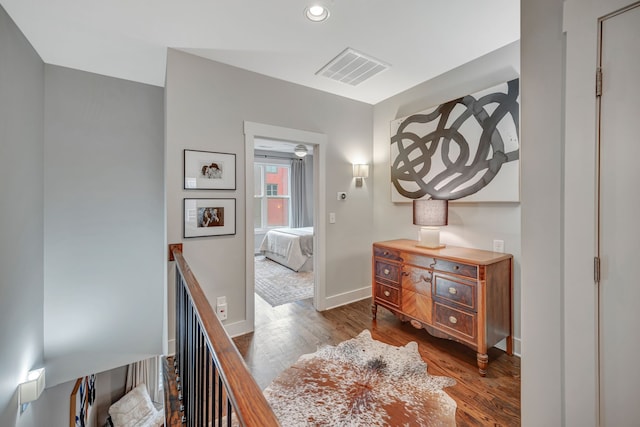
361 382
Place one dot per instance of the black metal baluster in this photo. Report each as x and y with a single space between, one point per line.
207 393
220 406
200 379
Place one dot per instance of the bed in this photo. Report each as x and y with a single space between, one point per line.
291 247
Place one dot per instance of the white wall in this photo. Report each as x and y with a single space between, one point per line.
104 223
21 216
206 105
470 224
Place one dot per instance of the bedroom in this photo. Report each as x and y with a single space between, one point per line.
283 224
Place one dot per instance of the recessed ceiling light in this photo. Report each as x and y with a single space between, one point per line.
316 13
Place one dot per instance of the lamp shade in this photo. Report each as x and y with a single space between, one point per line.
360 171
430 212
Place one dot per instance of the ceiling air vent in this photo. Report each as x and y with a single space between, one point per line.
352 67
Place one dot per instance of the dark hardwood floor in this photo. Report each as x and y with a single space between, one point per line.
284 333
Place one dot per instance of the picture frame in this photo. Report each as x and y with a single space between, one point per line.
209 217
466 149
209 170
81 401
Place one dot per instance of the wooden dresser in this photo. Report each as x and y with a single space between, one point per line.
457 293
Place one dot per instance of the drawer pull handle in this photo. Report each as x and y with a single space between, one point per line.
404 273
386 252
387 293
425 278
453 291
457 267
386 271
453 320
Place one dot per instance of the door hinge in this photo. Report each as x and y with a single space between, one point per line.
596 269
598 81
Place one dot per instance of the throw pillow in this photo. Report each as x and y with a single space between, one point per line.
135 409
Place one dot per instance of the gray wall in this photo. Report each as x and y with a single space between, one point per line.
560 313
21 216
53 406
207 103
104 223
470 224
542 211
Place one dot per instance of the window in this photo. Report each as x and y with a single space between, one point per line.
272 207
272 189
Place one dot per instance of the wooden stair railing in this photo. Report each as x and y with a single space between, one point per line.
214 385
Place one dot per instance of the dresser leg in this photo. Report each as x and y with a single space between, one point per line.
374 310
483 361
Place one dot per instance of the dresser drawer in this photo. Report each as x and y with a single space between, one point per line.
459 292
388 294
456 268
417 279
386 253
455 322
387 271
417 306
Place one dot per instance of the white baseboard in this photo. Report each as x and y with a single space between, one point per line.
233 329
517 345
238 328
347 297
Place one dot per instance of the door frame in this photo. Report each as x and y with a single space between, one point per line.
254 130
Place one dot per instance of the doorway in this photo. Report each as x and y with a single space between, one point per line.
255 132
618 209
283 224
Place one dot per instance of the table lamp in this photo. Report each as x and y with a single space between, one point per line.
430 214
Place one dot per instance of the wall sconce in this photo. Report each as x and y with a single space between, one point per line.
430 214
359 172
32 388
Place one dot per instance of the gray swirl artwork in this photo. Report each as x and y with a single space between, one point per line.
457 149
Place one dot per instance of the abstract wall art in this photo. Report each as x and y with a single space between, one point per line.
466 149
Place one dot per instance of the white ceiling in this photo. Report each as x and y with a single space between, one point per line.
128 39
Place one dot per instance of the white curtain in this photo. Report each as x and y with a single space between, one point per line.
145 372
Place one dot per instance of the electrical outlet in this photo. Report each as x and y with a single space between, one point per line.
498 246
332 217
221 311
221 308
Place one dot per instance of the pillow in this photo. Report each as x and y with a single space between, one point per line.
136 409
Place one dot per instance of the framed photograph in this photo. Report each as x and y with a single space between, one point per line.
209 217
208 170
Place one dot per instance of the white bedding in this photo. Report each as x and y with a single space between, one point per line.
291 247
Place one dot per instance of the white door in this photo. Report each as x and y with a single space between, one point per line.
619 220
